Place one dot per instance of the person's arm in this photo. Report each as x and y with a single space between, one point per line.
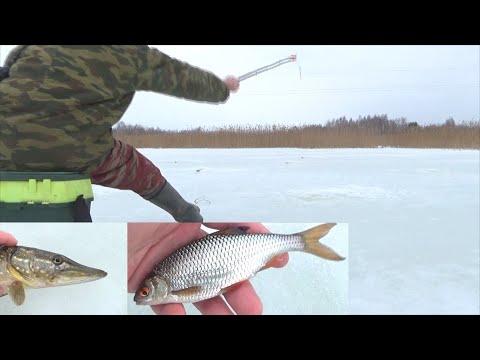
160 73
13 55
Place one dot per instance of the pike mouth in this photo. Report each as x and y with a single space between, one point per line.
81 274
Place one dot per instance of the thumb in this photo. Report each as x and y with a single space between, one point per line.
7 239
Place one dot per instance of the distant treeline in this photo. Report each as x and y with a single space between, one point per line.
369 131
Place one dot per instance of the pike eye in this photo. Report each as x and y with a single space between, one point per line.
57 260
144 292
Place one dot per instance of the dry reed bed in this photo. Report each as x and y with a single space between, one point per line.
339 136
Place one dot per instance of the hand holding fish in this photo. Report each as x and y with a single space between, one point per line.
150 243
9 240
217 263
22 266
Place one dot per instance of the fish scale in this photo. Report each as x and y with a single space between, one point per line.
219 261
209 266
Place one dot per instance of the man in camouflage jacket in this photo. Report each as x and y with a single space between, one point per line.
59 103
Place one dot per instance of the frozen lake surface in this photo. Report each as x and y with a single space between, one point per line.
413 215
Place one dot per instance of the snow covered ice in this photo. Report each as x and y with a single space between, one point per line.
413 215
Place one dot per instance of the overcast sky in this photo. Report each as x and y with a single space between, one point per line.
427 84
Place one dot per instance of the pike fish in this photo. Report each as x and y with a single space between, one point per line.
22 267
217 262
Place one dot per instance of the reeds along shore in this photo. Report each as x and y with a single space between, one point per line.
368 132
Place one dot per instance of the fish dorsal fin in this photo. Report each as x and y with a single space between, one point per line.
237 230
17 292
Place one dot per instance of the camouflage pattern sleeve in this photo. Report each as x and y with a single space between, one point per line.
160 73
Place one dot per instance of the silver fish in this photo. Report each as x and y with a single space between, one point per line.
22 266
215 263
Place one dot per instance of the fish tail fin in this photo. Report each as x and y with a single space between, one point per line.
311 239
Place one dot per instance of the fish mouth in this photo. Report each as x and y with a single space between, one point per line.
139 299
80 274
144 300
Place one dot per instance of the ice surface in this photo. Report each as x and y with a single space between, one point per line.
413 214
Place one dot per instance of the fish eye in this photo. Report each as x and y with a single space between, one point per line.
144 291
57 260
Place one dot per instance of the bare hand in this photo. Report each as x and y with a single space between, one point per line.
7 239
150 243
232 83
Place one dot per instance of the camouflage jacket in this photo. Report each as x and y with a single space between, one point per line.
59 104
